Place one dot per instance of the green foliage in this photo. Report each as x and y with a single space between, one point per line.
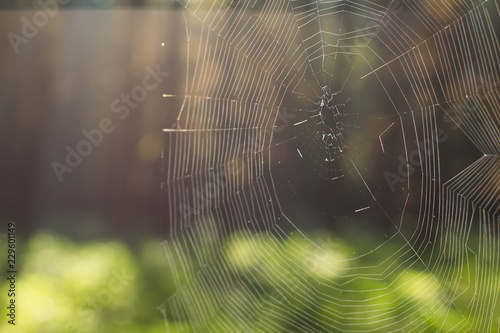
106 286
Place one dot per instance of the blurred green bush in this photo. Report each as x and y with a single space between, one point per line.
107 286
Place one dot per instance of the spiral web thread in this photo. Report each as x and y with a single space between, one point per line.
244 61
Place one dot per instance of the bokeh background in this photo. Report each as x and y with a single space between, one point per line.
63 81
91 248
73 235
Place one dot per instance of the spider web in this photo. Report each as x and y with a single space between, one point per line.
355 118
